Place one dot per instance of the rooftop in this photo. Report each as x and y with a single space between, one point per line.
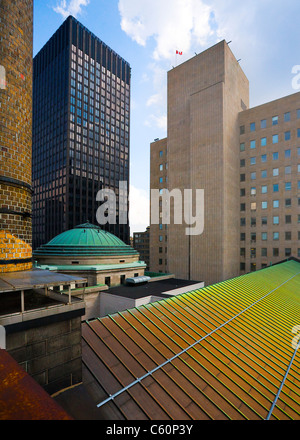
226 351
157 288
85 240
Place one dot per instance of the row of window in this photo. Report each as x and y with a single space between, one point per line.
264 220
275 156
264 253
274 121
263 140
264 236
287 185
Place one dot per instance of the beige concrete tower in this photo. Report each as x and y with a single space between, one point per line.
16 30
205 96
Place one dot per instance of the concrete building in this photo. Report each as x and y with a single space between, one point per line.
81 132
269 183
239 157
141 242
93 254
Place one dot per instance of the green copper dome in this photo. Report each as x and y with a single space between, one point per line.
85 240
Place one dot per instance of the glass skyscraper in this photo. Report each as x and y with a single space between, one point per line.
81 131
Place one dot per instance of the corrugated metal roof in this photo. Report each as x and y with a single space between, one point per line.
21 398
231 345
33 279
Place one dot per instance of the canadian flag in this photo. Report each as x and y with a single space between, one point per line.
178 53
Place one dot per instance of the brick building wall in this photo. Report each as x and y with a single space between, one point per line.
16 47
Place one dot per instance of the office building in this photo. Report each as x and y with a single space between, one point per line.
141 243
81 123
246 161
269 183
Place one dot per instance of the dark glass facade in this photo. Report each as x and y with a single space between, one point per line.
81 131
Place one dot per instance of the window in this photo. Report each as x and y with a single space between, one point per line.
298 184
263 123
298 218
264 158
275 235
288 203
263 141
242 252
242 192
253 221
242 129
161 180
288 252
253 237
275 138
253 191
252 126
298 132
161 167
242 146
253 176
298 113
242 266
287 154
264 205
264 174
242 177
298 168
253 160
264 236
243 236
160 262
253 206
253 253
264 189
275 252
243 207
287 135
275 220
243 221
275 203
288 235
288 219
161 154
275 120
276 187
275 156
287 117
242 162
264 221
252 144
107 281
288 170
288 186
160 238
252 267
275 171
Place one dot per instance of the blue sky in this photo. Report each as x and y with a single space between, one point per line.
265 35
